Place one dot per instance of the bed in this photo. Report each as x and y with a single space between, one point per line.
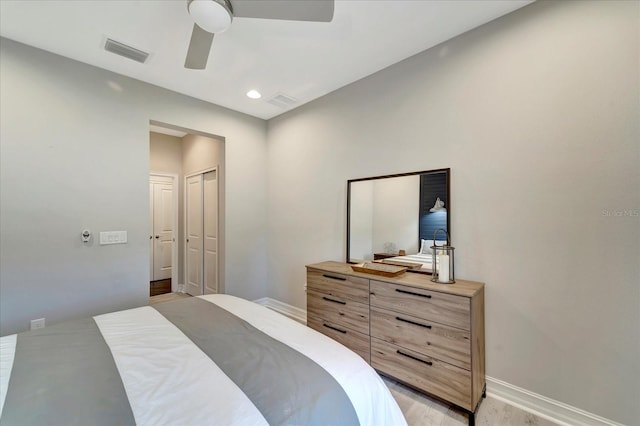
411 260
207 360
424 257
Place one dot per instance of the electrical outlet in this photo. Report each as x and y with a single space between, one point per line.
37 324
305 287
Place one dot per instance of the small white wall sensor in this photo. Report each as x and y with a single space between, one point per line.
86 235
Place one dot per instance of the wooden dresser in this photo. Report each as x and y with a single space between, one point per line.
338 306
429 336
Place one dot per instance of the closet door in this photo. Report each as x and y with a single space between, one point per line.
210 221
194 247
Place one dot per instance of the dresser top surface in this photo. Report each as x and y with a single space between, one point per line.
460 287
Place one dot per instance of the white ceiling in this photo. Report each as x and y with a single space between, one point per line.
303 60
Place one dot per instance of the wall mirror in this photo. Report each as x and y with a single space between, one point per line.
388 217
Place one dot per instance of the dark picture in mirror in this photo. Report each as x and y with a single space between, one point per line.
393 218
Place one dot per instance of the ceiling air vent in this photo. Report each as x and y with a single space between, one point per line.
126 51
283 101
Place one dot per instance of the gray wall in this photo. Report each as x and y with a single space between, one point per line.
74 153
537 115
165 153
201 153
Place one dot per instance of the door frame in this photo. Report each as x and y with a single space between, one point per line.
200 172
174 246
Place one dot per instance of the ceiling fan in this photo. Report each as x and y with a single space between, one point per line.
214 16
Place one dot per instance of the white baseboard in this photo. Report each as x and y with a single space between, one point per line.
292 312
552 410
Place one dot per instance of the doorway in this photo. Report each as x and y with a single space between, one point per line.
184 153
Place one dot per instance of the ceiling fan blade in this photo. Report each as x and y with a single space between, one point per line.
199 48
291 10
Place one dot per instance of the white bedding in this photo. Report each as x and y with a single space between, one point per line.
169 380
425 259
155 359
7 352
348 368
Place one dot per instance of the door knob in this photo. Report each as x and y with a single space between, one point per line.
150 236
157 236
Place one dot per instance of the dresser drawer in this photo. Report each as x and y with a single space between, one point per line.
428 374
432 305
357 342
343 286
446 343
339 310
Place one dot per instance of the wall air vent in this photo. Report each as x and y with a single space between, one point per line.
126 51
283 101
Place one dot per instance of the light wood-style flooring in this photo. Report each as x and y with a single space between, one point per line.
420 410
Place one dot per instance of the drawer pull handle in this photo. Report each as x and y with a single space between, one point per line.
335 328
334 277
413 322
414 358
334 301
428 296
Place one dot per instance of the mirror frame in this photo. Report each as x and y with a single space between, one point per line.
350 181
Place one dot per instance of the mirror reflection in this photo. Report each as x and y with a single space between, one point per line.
393 218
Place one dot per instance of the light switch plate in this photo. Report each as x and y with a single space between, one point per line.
113 237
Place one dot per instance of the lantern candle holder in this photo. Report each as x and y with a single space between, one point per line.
442 260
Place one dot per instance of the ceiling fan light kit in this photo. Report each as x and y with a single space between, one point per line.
213 16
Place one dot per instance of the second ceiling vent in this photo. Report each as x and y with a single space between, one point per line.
126 51
283 101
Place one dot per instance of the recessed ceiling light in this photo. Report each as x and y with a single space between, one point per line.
254 94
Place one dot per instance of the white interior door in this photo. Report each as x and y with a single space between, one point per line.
210 231
162 230
161 235
193 230
151 231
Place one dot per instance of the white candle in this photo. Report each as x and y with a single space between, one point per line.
443 276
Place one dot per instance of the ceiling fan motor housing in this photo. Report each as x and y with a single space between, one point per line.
213 16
